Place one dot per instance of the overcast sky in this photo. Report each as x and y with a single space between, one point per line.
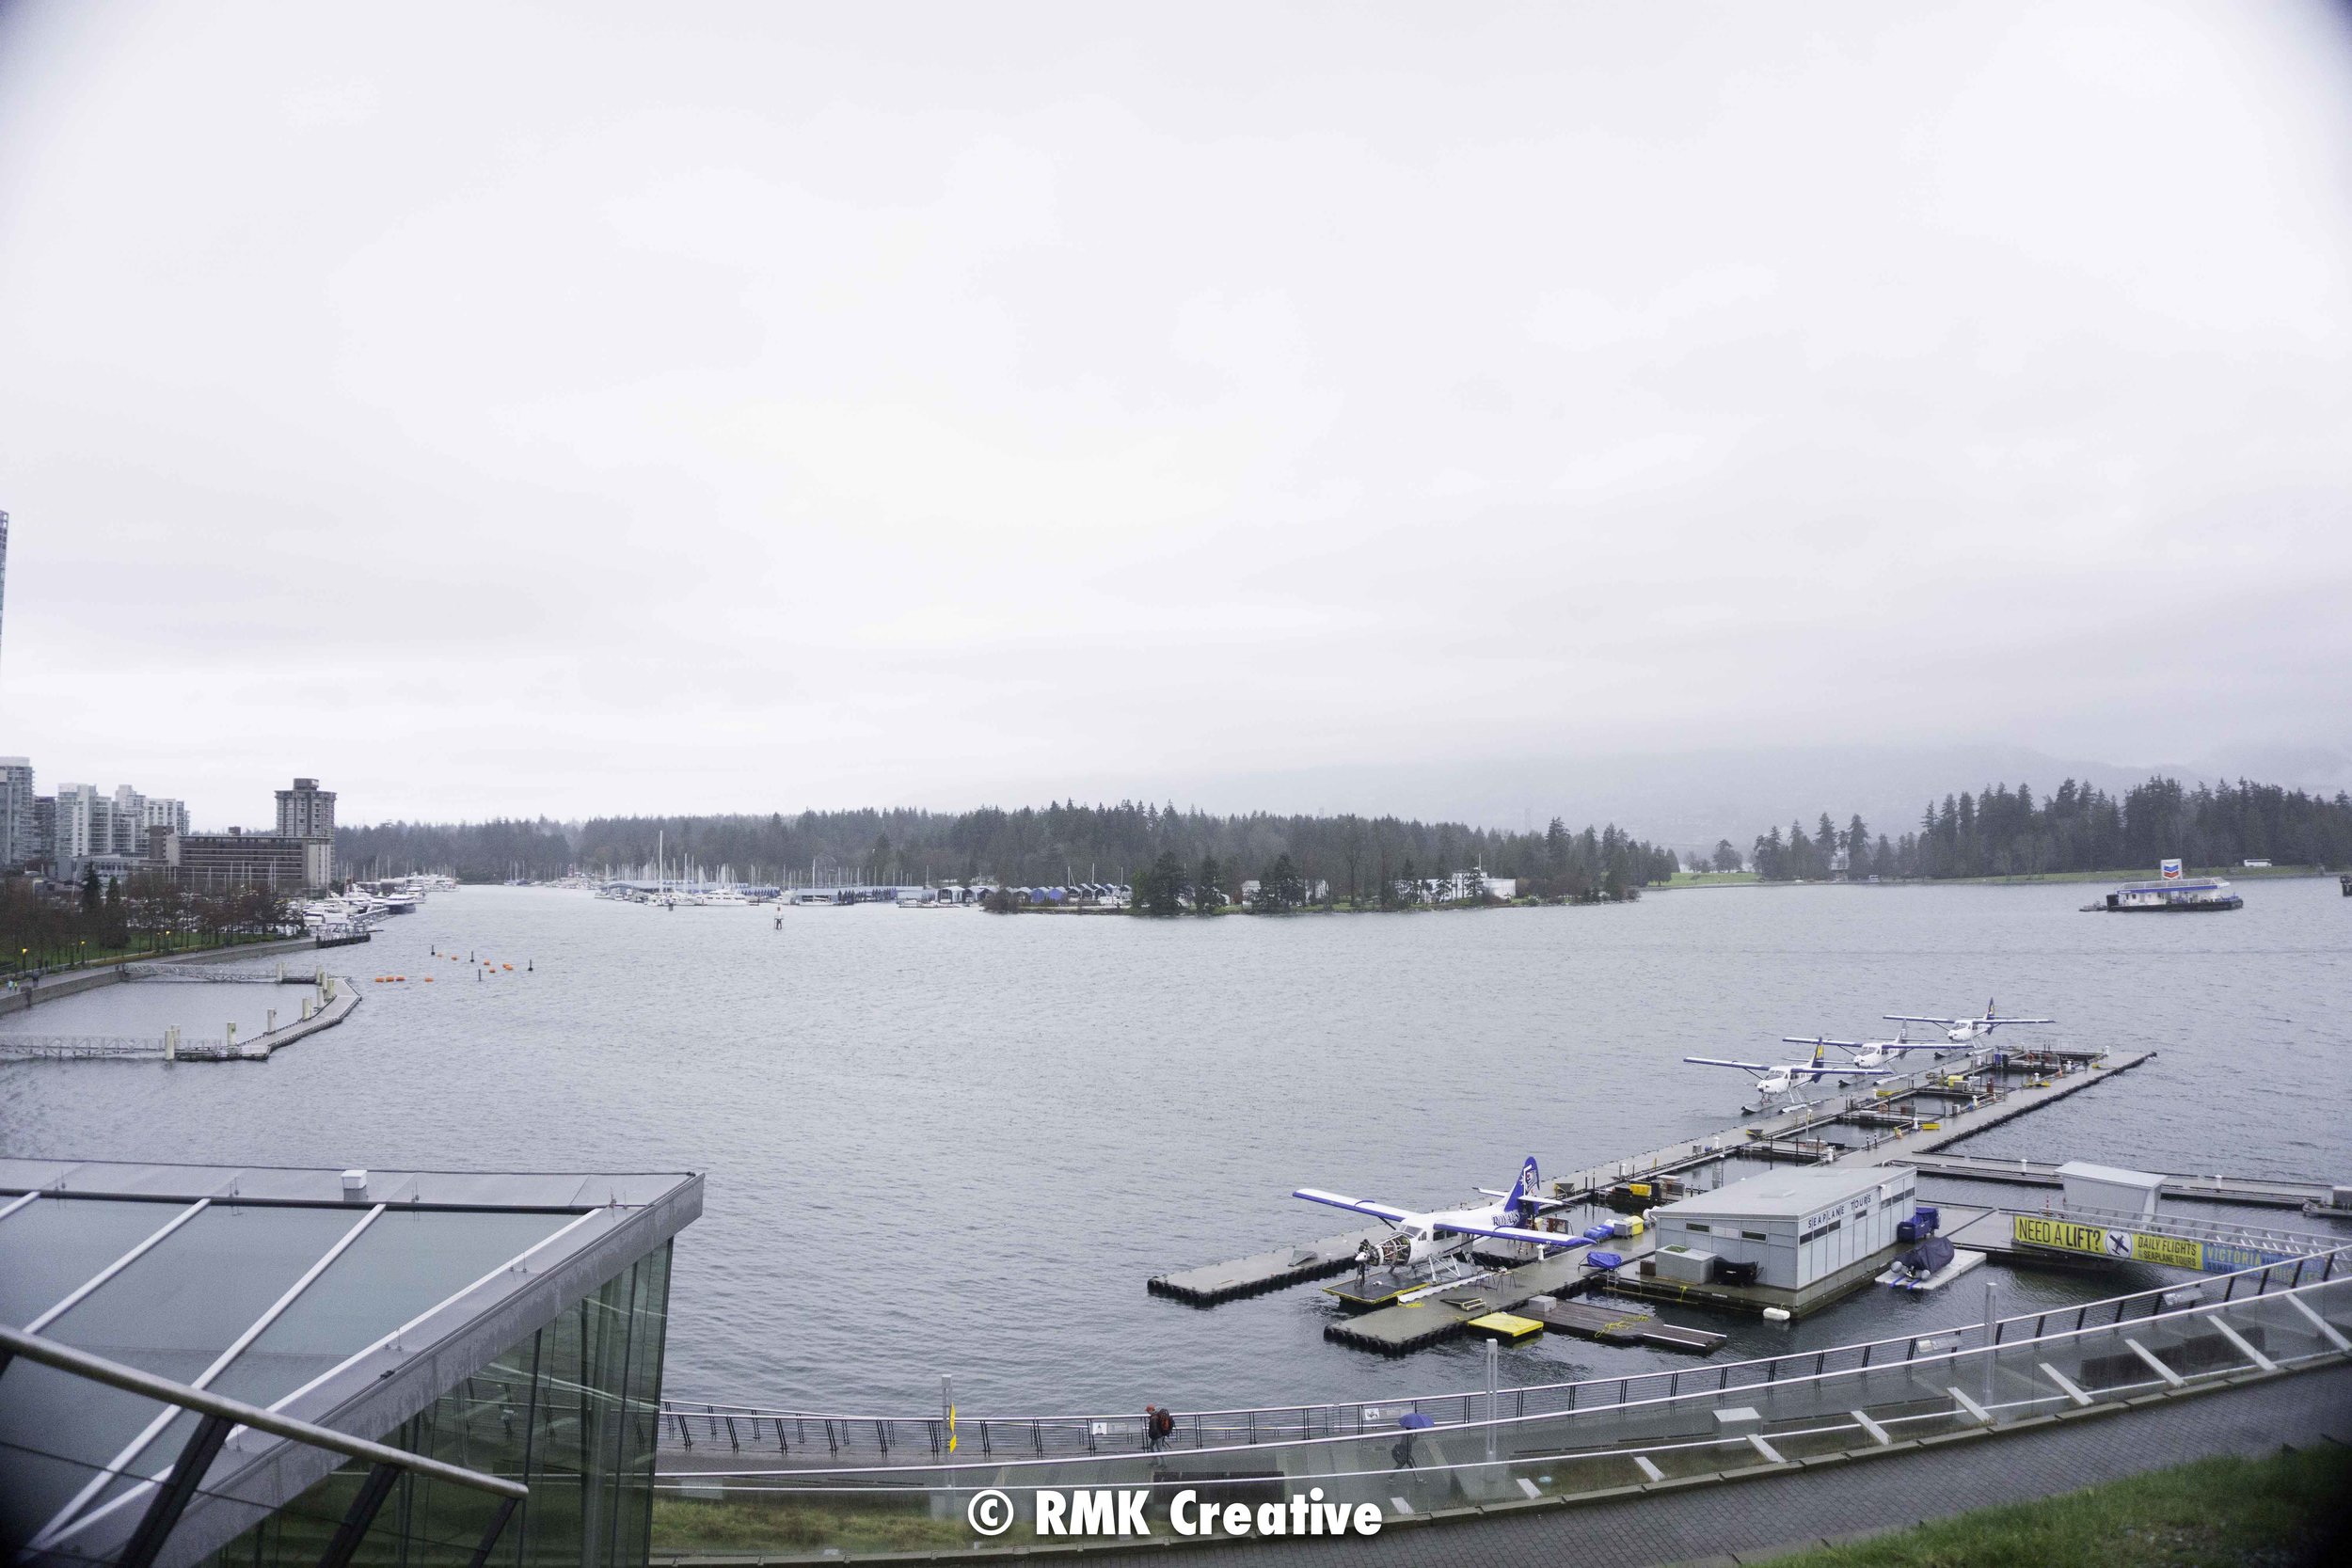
495 408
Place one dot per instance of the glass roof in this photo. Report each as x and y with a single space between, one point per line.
264 1302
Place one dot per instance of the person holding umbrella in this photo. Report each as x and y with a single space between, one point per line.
1413 1422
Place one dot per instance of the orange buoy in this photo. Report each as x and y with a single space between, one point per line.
507 967
428 979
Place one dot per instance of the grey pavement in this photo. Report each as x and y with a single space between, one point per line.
1779 1511
1771 1511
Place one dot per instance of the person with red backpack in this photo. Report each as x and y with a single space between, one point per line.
1157 1425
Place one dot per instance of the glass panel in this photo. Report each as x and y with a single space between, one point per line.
53 1245
482 1424
405 1263
173 1312
633 1535
569 1411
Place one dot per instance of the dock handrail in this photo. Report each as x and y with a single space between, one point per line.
920 1434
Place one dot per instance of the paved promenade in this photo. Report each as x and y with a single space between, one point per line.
1716 1523
1748 1520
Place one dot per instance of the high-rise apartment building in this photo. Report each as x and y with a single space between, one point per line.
85 826
305 811
127 833
17 844
4 559
84 823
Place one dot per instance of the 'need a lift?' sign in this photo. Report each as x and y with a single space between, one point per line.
2134 1246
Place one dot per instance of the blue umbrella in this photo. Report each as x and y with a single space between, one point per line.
1413 1420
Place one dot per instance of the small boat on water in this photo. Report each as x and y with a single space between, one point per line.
2173 895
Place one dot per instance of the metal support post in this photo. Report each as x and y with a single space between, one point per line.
1991 1326
203 1447
361 1513
491 1536
1494 1375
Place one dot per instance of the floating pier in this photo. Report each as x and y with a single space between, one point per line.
2203 1188
1409 1325
1265 1270
1963 1096
1617 1322
1970 1101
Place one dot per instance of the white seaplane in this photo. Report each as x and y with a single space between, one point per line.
1863 1054
1779 1080
1960 1031
1426 1238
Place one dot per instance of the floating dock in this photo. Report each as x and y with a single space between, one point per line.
1617 1322
2203 1188
1265 1270
1897 1134
1409 1325
1954 1098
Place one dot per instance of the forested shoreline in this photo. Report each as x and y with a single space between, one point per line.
1030 845
1998 832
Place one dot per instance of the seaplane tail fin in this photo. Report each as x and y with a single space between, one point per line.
1525 1189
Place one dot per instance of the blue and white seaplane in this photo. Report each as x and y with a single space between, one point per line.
1961 1031
1425 1238
1864 1053
1779 1080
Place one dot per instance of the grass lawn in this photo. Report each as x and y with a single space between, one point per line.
1707 879
786 1524
2288 1508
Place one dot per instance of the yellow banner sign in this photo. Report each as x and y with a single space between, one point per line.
2101 1242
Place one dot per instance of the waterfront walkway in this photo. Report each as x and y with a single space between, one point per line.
1773 1512
338 998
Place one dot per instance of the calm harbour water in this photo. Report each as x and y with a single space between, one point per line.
947 1142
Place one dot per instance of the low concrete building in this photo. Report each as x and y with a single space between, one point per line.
216 862
1799 1226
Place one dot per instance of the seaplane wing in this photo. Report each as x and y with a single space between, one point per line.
1389 1212
1947 1022
1509 1234
1834 1071
2005 1019
1725 1061
1818 1039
